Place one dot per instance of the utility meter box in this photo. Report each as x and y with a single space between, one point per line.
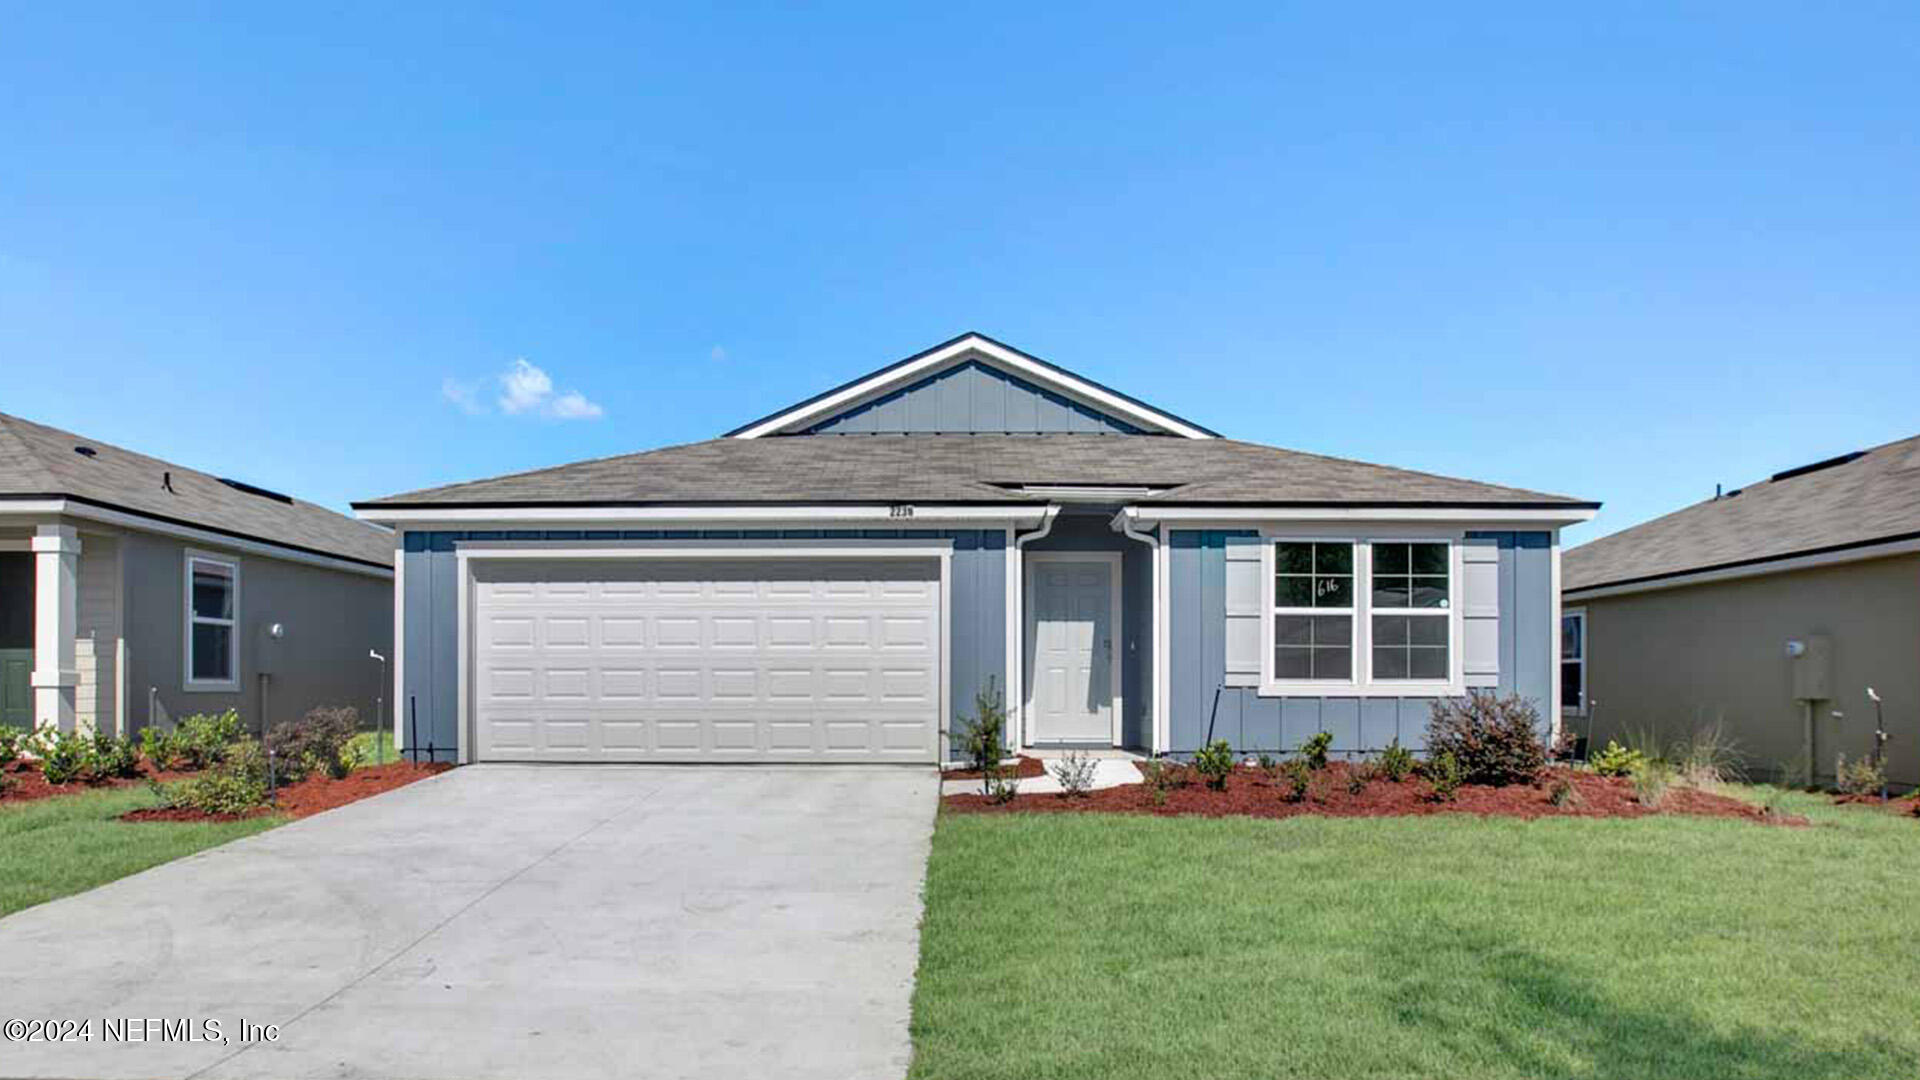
1813 669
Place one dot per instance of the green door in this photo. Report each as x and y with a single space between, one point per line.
16 688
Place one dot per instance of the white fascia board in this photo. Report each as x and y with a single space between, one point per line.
698 549
1491 517
904 516
972 347
1758 569
141 523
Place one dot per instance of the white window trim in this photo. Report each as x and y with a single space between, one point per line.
231 567
1363 684
1558 660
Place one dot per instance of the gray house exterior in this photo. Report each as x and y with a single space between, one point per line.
838 580
134 591
1768 611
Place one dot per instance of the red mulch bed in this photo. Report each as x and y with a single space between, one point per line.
1250 793
310 796
1025 768
28 784
1904 805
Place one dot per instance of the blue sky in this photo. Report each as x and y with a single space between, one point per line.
1622 255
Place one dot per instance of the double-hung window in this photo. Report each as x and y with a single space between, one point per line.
213 623
1362 616
1573 662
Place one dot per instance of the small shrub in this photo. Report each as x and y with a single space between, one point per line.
1360 775
1075 772
1495 740
318 741
1268 765
12 741
204 738
1214 761
1299 777
1161 775
1709 756
983 735
1564 796
1651 779
163 749
1001 788
236 785
1863 776
1444 774
65 756
113 757
1616 760
1396 762
1314 750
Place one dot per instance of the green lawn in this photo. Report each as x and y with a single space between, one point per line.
56 847
1109 946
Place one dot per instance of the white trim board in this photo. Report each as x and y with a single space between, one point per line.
189 684
1115 562
959 351
897 516
1781 565
140 523
467 553
1227 517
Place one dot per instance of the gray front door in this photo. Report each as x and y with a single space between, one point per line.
16 688
1070 634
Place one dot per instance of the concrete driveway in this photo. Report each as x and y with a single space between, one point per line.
528 922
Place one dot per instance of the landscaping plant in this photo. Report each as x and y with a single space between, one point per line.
317 742
1360 775
1444 774
1396 762
204 738
12 741
1651 778
1862 776
1075 772
114 757
1214 761
1616 760
163 749
1161 775
982 735
237 785
1314 750
1564 796
1494 740
65 756
1299 777
1709 756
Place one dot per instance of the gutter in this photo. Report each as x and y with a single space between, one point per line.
1017 679
1159 702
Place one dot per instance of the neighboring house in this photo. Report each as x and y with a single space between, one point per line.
838 580
1766 609
132 590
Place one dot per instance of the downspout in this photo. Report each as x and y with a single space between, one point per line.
1017 679
1123 523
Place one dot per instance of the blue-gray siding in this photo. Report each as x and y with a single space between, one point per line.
1197 662
976 621
1093 532
971 398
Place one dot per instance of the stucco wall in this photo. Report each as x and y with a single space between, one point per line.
331 617
1673 660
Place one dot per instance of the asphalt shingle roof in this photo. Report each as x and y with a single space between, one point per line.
1861 499
968 469
37 461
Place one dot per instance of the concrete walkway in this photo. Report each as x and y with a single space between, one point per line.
521 922
1108 771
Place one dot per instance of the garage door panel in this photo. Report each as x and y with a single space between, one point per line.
779 659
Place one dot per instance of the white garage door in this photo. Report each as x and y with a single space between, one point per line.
707 660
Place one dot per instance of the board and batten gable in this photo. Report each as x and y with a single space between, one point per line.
429 582
971 399
1218 596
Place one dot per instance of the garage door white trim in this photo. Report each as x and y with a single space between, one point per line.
469 552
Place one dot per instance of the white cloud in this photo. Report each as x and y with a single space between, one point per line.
524 388
572 405
718 353
464 395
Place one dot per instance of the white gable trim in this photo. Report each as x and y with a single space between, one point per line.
973 347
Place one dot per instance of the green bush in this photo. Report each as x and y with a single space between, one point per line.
163 750
1651 779
1359 775
983 735
1396 762
1616 760
1862 776
65 756
1214 761
237 785
1314 750
114 757
205 738
1495 740
1564 796
1161 776
1444 774
1299 777
320 741
12 741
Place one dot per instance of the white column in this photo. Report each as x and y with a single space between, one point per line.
56 615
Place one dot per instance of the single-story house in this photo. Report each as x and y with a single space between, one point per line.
838 581
134 591
1767 609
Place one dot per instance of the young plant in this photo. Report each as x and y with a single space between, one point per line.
983 735
318 741
204 737
65 756
1396 762
1359 775
1269 766
1651 780
1075 772
1861 777
237 785
1564 796
1495 740
1001 788
1709 756
1161 775
116 758
12 741
1314 750
1444 775
1616 760
1214 761
1299 778
163 750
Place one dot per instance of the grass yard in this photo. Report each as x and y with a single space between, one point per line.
1084 945
56 847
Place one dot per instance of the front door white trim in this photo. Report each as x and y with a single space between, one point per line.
467 552
1115 584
